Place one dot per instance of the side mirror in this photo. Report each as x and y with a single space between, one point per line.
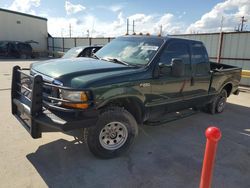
162 65
164 69
161 69
178 67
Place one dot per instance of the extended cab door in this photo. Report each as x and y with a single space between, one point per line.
196 92
167 90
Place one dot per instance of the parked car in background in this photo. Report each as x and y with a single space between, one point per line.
16 49
81 51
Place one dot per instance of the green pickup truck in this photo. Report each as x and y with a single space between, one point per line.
132 80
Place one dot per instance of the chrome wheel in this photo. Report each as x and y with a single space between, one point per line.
221 101
113 135
221 104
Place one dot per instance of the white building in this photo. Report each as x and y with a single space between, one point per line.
16 26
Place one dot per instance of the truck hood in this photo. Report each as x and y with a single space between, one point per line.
85 69
59 68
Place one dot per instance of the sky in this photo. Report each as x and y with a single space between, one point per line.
107 18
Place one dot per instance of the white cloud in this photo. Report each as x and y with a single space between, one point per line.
230 10
73 8
170 24
119 22
140 18
116 8
143 23
24 5
152 23
165 21
60 26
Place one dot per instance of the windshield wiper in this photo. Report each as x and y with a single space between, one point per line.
115 60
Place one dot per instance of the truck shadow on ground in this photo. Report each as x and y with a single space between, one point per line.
163 156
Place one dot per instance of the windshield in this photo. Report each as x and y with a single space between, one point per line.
73 52
132 50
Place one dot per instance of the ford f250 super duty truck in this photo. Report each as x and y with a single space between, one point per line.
130 81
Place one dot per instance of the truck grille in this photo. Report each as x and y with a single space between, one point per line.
39 93
48 91
26 83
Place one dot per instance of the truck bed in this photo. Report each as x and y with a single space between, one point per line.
221 74
219 67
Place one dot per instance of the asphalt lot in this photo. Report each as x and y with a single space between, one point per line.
163 156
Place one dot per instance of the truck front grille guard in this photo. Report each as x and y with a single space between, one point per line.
31 89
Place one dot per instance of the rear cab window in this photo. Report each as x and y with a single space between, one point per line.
200 61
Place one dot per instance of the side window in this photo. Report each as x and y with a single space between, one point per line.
84 53
12 47
92 51
4 46
200 64
18 46
176 50
24 47
27 47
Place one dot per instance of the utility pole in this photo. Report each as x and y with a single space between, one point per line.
62 33
133 26
221 23
160 30
242 23
87 33
70 30
127 26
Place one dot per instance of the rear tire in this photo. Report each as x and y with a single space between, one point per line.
114 133
219 103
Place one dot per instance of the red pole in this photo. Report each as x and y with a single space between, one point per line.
213 135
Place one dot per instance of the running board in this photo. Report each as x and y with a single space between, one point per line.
172 117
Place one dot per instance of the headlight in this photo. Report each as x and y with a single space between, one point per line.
75 96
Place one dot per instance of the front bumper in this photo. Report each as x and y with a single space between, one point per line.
37 115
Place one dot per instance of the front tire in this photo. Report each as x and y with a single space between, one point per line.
114 133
